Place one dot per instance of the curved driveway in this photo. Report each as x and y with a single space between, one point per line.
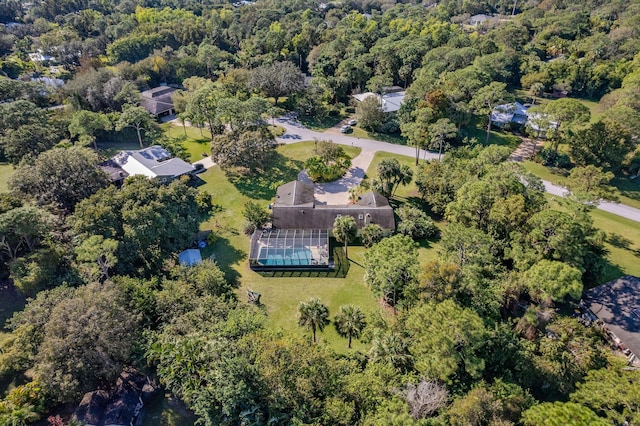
296 132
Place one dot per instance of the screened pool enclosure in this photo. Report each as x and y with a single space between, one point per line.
290 249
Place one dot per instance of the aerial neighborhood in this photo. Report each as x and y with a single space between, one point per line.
286 212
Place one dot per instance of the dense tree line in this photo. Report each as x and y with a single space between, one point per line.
471 337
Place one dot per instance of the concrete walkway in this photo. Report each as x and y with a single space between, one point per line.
337 192
207 162
526 150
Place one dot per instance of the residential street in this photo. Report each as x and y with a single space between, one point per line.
296 132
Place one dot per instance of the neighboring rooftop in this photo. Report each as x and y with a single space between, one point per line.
509 113
113 169
154 161
391 102
479 19
158 100
40 57
617 305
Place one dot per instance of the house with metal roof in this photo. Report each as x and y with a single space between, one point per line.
158 100
153 162
299 238
515 113
390 102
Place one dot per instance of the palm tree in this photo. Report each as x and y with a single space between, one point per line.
349 322
345 230
313 316
535 91
391 348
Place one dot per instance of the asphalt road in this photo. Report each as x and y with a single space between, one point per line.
296 132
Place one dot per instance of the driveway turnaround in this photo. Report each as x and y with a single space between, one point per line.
337 192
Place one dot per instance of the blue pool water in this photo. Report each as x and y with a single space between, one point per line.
285 257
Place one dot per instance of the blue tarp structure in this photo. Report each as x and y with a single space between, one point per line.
190 257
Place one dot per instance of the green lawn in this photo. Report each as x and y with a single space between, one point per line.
197 142
628 191
280 295
622 242
6 170
428 249
394 138
320 125
496 136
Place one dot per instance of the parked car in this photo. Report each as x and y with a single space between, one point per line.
345 129
352 122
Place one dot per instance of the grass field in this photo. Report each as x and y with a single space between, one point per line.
196 143
622 242
6 170
496 136
280 295
628 191
363 134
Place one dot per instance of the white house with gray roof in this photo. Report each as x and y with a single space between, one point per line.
390 102
153 162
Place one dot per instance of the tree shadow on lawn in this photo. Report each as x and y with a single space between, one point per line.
619 241
227 256
262 185
627 187
610 272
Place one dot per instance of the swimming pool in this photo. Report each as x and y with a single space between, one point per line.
285 256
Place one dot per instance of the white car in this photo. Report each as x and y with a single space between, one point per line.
352 122
345 129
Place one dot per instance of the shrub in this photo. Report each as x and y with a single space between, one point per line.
256 215
550 158
415 223
371 234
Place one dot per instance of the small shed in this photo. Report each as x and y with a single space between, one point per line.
190 257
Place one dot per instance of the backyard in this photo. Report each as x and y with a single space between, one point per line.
282 294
